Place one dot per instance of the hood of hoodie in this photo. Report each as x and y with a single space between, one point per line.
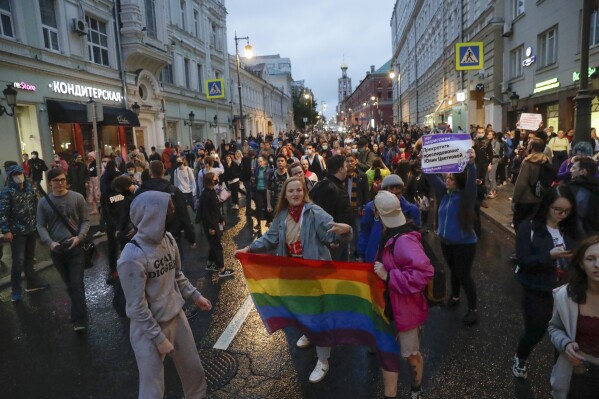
148 215
537 157
14 169
156 184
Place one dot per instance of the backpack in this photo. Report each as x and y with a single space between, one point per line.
546 177
436 289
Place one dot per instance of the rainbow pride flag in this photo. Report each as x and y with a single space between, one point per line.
332 303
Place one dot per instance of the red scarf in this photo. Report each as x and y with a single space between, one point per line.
295 212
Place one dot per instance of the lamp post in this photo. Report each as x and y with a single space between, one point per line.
248 54
95 114
190 123
308 96
136 108
11 99
583 99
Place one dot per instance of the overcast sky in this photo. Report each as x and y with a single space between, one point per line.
316 35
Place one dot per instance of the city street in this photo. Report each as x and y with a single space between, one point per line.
42 357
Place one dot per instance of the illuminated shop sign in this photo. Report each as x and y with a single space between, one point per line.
546 85
529 57
84 91
23 86
576 75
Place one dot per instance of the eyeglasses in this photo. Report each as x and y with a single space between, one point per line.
394 187
561 211
59 181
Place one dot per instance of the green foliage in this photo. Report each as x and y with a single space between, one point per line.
304 108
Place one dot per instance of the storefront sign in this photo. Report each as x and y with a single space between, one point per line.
445 152
529 57
84 91
546 85
23 86
576 75
530 121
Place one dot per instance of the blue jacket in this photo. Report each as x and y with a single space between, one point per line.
371 229
314 235
18 207
450 230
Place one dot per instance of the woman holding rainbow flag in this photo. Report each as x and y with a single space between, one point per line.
302 229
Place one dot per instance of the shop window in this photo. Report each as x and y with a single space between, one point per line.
548 48
63 140
553 115
49 24
6 28
97 41
594 29
516 62
151 18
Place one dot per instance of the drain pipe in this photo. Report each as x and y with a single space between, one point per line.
117 29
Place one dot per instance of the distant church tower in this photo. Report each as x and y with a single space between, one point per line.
344 89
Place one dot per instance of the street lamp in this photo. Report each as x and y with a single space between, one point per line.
11 99
514 99
248 54
190 123
95 114
136 108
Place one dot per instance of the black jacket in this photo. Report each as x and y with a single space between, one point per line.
536 269
231 172
330 194
77 176
586 192
483 150
246 168
362 190
209 210
37 167
181 221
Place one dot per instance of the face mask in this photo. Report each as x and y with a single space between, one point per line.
104 164
180 163
56 159
19 179
354 150
33 156
324 147
308 152
131 171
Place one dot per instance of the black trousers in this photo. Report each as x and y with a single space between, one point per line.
459 258
537 307
215 254
585 386
260 202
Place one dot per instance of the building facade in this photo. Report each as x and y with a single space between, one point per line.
542 59
371 103
424 34
344 89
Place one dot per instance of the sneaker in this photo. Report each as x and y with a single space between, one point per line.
79 327
416 393
190 313
303 342
453 302
226 273
519 368
492 195
211 267
98 234
320 371
37 287
16 296
471 317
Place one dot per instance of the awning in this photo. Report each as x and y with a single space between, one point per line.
68 112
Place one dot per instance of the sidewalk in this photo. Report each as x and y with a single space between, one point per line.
499 211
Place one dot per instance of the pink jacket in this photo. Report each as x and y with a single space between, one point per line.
410 270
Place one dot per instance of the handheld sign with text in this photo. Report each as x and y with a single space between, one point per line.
530 121
445 153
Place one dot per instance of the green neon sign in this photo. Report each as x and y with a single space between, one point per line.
576 75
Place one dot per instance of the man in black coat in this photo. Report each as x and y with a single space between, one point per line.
78 175
37 167
331 195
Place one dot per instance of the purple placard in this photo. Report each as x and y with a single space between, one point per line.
445 152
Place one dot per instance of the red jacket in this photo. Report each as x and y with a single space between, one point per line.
410 271
166 157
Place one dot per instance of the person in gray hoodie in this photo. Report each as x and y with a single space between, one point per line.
154 285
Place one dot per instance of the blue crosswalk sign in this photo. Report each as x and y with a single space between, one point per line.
215 88
468 56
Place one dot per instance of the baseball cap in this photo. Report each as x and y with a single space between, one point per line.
392 180
389 209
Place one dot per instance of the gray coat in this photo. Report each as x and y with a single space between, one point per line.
562 331
314 235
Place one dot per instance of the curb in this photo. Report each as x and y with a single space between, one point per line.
507 229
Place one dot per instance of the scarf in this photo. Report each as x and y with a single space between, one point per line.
295 212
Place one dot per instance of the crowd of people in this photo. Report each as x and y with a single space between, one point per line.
360 196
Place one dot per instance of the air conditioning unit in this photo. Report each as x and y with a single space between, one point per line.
507 29
80 26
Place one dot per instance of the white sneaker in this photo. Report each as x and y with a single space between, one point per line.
320 371
303 342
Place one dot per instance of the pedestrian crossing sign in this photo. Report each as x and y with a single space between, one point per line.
468 56
215 88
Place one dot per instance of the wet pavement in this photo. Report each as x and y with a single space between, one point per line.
42 357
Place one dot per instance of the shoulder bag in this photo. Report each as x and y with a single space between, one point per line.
89 248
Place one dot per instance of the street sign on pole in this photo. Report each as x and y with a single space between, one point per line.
215 88
468 56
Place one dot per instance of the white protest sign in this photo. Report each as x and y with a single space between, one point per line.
446 152
530 121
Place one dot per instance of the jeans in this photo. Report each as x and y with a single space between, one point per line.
70 267
492 175
459 258
23 250
537 307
